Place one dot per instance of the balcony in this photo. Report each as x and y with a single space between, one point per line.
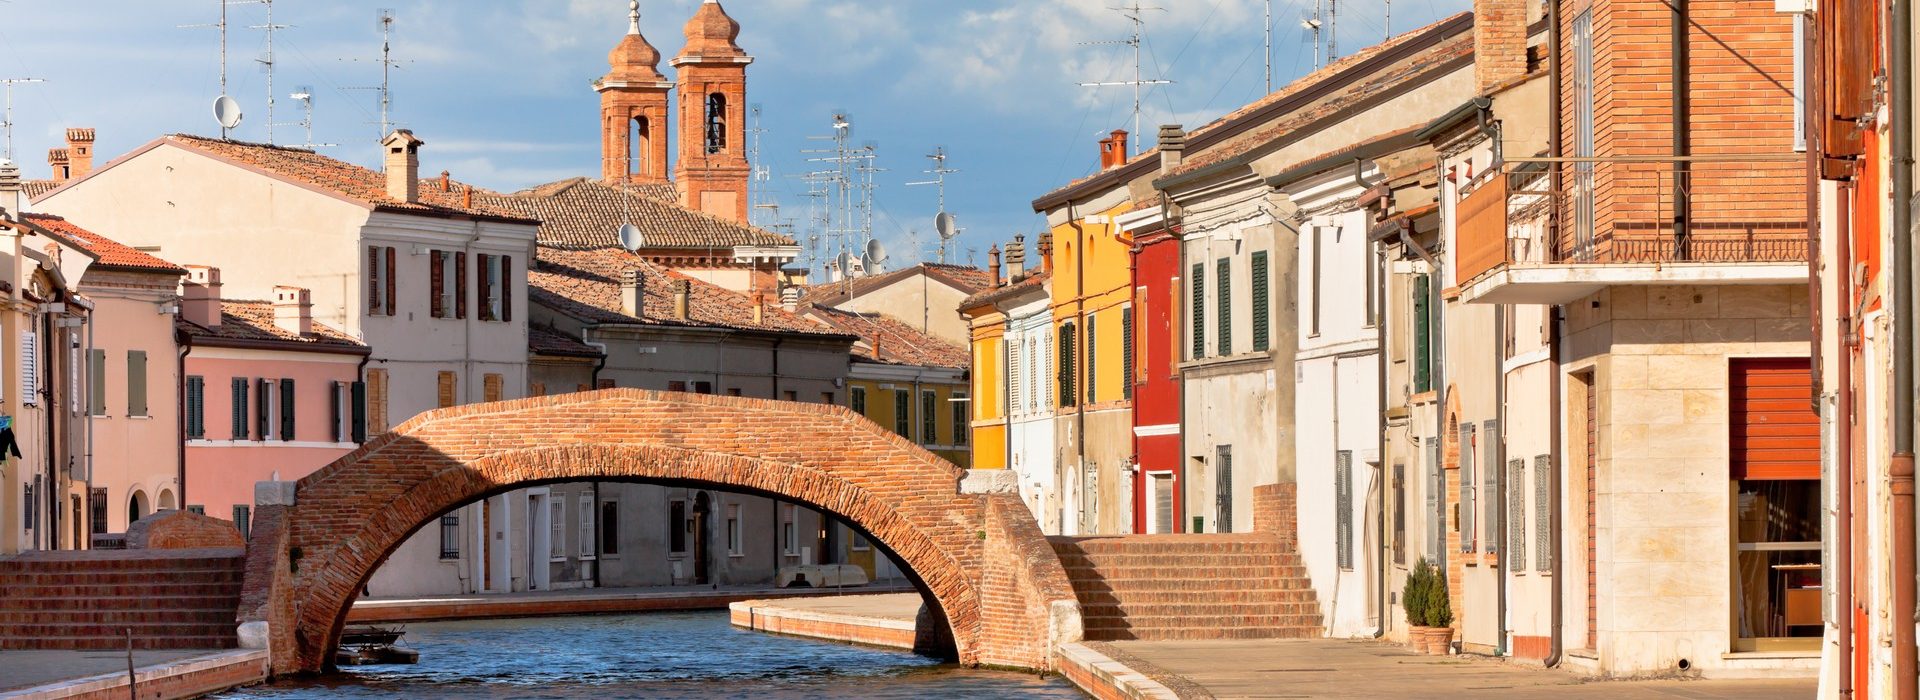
1630 221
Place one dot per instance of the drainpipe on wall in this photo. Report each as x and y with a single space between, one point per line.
1380 435
1682 148
180 379
1843 443
1900 469
1555 643
50 518
1079 327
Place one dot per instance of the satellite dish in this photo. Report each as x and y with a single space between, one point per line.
631 238
844 264
226 111
945 226
876 253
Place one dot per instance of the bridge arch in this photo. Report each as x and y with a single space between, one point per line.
979 556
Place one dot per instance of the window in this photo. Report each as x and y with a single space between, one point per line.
703 387
1517 515
97 382
734 546
1468 488
450 536
263 409
557 527
1399 513
609 528
857 399
449 389
1372 312
677 527
789 532
960 425
491 386
789 396
380 281
137 383
860 543
537 388
243 520
286 409
1261 311
733 391
30 368
1800 81
493 289
1067 392
1489 490
1422 320
1343 508
903 413
1223 278
827 397
1583 107
376 401
240 413
1199 284
716 123
1543 512
929 418
447 289
347 413
1126 353
1093 377
586 526
97 510
196 408
1014 378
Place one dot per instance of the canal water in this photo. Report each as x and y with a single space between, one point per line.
655 655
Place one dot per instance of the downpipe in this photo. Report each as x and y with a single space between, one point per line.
1900 468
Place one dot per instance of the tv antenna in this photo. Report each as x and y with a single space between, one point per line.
387 64
943 223
266 61
1269 46
226 110
1312 24
10 82
304 95
1137 15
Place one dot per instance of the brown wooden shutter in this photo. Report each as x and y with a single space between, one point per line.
436 281
485 286
1776 434
373 280
459 285
393 295
491 384
377 401
448 389
506 288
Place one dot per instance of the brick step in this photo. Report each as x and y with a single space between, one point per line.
1207 609
228 641
126 590
1261 544
189 616
96 578
140 629
1215 573
1185 633
43 564
1168 621
1195 566
145 602
1093 581
1196 594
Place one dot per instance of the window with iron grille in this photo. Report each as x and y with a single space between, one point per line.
450 536
1223 280
1198 282
1260 312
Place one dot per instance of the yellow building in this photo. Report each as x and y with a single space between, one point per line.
1013 417
908 381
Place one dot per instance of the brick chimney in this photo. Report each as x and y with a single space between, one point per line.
61 163
633 293
293 310
1017 258
681 288
200 296
1499 42
403 165
993 265
759 309
1173 146
1046 251
1113 150
80 150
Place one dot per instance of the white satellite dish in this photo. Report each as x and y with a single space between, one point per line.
876 252
844 264
943 223
226 111
631 238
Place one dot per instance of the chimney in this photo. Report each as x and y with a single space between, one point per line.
1113 150
759 309
1173 146
403 165
293 310
61 163
467 199
1017 258
200 296
10 189
681 288
993 265
790 298
1499 42
80 150
1046 250
633 293
446 181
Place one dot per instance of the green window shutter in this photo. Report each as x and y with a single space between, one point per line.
902 413
97 382
286 409
240 408
1260 312
1224 274
960 425
1126 353
263 408
1422 357
1068 396
196 408
335 411
857 400
1093 379
929 428
136 382
359 412
1198 283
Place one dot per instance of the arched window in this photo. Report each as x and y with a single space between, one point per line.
716 123
136 507
640 141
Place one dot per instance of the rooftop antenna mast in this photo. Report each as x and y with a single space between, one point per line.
1312 24
387 64
266 62
10 82
1333 30
943 222
304 95
759 195
843 174
1388 21
226 110
1269 46
1137 15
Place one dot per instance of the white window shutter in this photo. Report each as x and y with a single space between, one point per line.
30 368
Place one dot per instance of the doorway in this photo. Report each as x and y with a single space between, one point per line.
1223 489
1161 522
702 511
540 529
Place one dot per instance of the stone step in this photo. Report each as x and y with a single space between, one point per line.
77 618
140 629
127 590
98 578
116 642
13 603
1258 544
124 560
1223 620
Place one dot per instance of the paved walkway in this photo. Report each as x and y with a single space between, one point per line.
22 669
1328 668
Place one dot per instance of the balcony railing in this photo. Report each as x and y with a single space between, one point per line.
1746 209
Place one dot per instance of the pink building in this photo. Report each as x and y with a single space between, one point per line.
268 393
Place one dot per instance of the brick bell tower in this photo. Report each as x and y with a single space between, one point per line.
712 169
634 122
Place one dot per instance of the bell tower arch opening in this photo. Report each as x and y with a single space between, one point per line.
711 171
633 103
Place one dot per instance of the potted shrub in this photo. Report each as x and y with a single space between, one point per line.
1413 598
1439 608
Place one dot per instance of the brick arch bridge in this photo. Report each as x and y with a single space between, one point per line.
979 556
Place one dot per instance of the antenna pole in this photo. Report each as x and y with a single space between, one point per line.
1137 15
386 65
1389 20
1269 46
939 181
267 62
1333 30
10 82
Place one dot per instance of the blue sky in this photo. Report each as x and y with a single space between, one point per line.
500 90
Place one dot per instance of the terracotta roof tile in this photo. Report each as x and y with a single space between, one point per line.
887 340
586 284
113 254
584 213
32 189
1030 282
253 320
339 177
967 279
547 341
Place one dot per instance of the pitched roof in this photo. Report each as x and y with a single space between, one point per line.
32 189
338 177
113 254
886 340
584 213
253 320
961 277
547 341
585 284
1033 281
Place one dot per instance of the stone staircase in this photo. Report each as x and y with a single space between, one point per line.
169 598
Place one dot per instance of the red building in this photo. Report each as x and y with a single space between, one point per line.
1157 482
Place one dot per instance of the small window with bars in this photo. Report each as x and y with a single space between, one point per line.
450 536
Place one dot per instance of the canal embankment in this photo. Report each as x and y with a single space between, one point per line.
883 620
585 601
102 675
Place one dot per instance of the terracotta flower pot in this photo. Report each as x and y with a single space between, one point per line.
1440 640
1420 638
